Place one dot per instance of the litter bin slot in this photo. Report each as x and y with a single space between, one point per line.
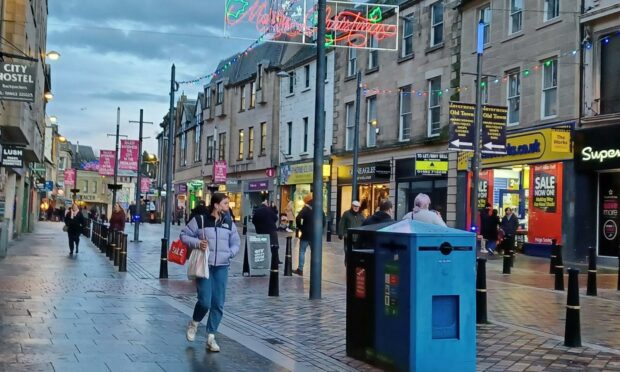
394 245
435 248
445 317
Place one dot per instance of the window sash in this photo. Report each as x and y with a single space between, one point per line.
371 114
197 134
434 106
407 42
350 125
352 58
242 102
516 16
241 142
550 88
252 95
209 149
263 138
290 137
305 134
373 55
291 83
437 23
183 149
514 96
222 146
208 98
552 9
404 104
259 77
220 93
485 15
307 76
251 143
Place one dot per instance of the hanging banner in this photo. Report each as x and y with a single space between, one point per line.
130 155
12 157
69 178
609 206
545 203
17 81
219 171
107 161
145 185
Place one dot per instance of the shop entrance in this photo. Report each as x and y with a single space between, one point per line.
513 199
370 196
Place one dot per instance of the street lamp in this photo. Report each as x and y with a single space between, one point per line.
53 119
48 96
53 55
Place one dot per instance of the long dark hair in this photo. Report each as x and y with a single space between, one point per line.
216 198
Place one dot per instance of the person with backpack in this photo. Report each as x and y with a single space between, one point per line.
422 213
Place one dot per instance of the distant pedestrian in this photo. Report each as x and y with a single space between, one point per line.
384 214
265 220
509 225
74 221
421 212
305 223
117 221
200 209
273 207
216 233
489 230
289 214
350 219
132 211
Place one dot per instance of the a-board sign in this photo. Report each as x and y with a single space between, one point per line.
259 254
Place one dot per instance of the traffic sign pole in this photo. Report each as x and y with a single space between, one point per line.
477 129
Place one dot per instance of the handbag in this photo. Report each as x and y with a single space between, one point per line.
65 228
199 261
178 252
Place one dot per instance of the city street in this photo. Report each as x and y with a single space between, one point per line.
62 313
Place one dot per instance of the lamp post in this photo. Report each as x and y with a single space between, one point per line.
477 127
136 231
115 187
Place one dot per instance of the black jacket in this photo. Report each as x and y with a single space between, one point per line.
510 226
264 220
305 223
75 224
200 209
489 225
378 217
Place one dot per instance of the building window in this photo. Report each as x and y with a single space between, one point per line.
552 9
210 149
407 42
251 143
263 138
307 76
610 83
197 142
85 186
371 121
434 106
259 77
242 101
208 98
404 104
550 88
222 146
350 125
252 95
289 126
94 188
484 88
183 149
291 83
437 23
515 23
373 54
220 93
352 58
305 134
485 16
61 163
514 97
241 143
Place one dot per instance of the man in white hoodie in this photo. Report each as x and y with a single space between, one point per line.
422 213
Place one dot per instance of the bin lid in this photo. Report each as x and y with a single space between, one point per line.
423 228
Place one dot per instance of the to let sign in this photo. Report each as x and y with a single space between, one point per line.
12 157
219 171
17 82
129 155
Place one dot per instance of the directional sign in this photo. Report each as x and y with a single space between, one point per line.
461 126
494 129
431 164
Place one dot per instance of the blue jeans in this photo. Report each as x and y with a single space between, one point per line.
303 245
211 296
491 245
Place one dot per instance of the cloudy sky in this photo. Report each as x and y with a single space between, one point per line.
118 53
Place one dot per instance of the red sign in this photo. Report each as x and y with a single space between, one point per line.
545 203
271 172
107 161
360 282
69 177
219 171
129 155
145 185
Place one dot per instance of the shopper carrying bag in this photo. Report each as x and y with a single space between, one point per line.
199 259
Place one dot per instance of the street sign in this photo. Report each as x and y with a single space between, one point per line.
270 172
49 185
431 164
259 254
494 129
17 81
461 126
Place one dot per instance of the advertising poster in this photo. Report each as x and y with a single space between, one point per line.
69 178
145 185
219 171
485 188
107 162
545 203
608 215
129 155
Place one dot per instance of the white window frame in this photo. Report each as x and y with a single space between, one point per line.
431 107
511 98
208 98
259 77
434 26
183 148
219 93
242 101
547 90
221 146
371 131
252 94
210 150
241 150
547 8
251 143
306 134
405 94
289 127
483 11
512 13
263 139
373 54
407 37
351 61
197 139
349 113
307 76
291 83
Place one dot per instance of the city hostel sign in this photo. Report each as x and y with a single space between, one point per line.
17 82
597 148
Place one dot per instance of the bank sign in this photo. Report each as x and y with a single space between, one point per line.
597 148
17 82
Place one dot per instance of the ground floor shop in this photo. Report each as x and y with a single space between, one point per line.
373 183
233 188
254 190
295 181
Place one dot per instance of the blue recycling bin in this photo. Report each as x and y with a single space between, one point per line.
425 305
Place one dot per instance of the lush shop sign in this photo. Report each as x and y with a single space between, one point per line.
597 148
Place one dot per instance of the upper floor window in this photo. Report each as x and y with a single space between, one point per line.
208 98
352 64
485 16
291 83
437 23
305 134
610 82
183 149
307 76
222 146
252 95
242 99
484 87
407 42
259 77
373 54
514 96
94 187
289 127
263 138
241 144
197 142
434 106
550 88
350 125
371 121
210 149
251 143
219 93
515 22
404 105
552 9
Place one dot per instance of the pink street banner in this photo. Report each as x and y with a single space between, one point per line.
219 172
129 155
145 185
69 177
107 160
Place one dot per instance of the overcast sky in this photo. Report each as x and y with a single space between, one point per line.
118 53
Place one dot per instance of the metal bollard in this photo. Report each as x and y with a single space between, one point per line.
328 237
109 251
591 291
163 261
554 254
122 266
116 254
288 257
618 269
572 330
506 266
245 225
246 262
481 291
274 285
559 278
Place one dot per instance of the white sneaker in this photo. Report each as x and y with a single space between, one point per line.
192 328
288 230
211 344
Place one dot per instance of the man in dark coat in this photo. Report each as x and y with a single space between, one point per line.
305 223
349 220
510 224
265 220
384 214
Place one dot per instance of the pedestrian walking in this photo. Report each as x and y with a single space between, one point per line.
305 223
117 220
489 229
273 207
384 214
215 233
289 215
349 220
509 225
132 211
422 213
74 223
265 220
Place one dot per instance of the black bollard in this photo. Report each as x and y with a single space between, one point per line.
122 265
559 278
288 257
246 262
245 225
96 236
552 259
274 285
481 291
506 266
572 331
618 268
512 255
109 251
591 291
328 237
559 261
118 248
163 262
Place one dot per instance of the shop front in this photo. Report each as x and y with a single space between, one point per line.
253 192
597 207
195 189
180 191
233 189
530 180
426 173
373 182
296 182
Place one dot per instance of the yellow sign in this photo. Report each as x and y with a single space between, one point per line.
561 141
464 159
296 174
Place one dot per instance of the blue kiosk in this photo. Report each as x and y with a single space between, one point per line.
424 304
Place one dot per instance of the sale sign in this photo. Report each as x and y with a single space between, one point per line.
130 155
545 203
145 185
69 177
107 161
